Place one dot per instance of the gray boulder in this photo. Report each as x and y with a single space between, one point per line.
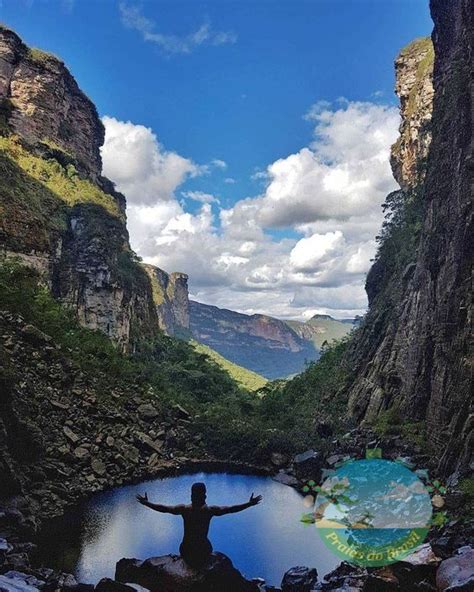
299 579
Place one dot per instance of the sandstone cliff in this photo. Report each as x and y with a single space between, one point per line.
411 355
45 103
57 212
170 296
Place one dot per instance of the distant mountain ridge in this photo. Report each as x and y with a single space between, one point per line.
271 347
320 328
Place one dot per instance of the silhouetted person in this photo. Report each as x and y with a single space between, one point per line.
196 548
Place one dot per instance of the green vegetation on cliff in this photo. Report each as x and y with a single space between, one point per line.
231 421
248 379
286 415
171 367
62 179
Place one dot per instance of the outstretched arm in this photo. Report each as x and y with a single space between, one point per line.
222 510
143 499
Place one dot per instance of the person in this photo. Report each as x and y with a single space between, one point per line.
196 548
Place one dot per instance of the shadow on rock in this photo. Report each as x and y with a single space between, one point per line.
170 573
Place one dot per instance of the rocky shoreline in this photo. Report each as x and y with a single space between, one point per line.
443 563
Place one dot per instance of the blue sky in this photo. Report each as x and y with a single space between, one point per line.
231 81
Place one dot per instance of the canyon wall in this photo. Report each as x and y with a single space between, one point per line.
412 354
60 215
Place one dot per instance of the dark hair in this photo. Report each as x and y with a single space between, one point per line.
198 494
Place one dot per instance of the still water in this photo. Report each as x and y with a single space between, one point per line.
263 541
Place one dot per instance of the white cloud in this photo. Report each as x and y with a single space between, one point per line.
308 253
219 164
139 165
230 181
327 194
343 173
132 18
200 196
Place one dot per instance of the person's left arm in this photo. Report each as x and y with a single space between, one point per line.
222 510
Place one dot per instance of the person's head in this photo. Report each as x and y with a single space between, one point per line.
198 494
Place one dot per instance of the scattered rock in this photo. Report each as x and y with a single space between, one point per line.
286 479
35 335
456 574
299 579
14 581
278 459
98 467
70 435
181 411
308 465
154 445
147 412
81 452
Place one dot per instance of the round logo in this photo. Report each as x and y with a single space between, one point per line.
372 512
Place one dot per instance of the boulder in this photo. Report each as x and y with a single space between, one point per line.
98 467
286 479
299 579
170 573
278 459
147 412
108 585
456 574
308 465
181 411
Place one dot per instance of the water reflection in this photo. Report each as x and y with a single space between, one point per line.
264 541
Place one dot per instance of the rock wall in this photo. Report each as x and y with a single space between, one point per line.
170 296
66 220
45 103
414 87
413 352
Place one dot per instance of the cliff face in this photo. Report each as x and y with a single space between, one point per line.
411 354
45 103
58 214
260 343
414 87
170 296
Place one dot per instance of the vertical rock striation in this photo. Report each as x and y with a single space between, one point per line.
412 353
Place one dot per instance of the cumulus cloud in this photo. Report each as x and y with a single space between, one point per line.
343 173
132 18
139 165
328 195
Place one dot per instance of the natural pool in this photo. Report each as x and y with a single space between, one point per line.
263 541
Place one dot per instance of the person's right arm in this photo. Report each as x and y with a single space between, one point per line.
176 510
